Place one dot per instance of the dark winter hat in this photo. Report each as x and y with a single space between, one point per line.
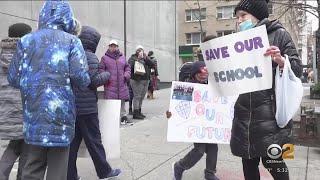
150 53
18 30
196 67
90 38
258 8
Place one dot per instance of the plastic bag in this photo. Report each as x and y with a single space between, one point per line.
289 92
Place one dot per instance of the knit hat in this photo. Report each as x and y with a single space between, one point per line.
18 30
150 54
258 8
139 47
196 67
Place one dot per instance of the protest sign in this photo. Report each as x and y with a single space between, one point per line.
236 62
198 115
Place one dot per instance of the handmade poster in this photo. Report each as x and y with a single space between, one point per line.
198 115
236 62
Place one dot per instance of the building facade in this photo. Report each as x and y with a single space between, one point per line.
217 18
151 24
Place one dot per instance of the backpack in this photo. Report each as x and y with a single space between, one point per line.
185 72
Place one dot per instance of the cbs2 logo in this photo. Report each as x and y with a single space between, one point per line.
275 151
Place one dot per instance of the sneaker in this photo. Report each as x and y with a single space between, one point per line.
113 173
210 175
128 122
214 177
177 171
124 120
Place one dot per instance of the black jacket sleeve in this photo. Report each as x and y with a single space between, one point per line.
286 46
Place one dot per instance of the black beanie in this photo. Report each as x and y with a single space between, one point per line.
196 67
18 30
258 8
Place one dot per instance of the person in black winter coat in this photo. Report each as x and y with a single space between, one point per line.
254 126
139 81
87 123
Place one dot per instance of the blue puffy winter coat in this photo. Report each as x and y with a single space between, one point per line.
47 64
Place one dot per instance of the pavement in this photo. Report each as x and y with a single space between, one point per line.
146 154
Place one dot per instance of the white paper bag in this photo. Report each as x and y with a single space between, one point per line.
109 120
139 68
289 92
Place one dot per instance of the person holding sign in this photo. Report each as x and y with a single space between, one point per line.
199 74
140 75
254 125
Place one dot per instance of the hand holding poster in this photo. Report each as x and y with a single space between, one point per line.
198 116
236 62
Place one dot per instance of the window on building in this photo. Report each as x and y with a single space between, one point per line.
270 8
188 38
203 13
193 38
188 15
195 15
225 12
223 33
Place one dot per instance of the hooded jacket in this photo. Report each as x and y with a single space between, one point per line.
254 126
86 98
10 99
47 64
116 87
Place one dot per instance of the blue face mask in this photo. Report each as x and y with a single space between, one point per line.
245 25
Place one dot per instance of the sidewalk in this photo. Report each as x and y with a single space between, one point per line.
146 154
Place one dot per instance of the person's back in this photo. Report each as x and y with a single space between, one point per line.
51 61
47 64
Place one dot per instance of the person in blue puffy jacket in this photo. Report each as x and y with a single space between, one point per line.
45 67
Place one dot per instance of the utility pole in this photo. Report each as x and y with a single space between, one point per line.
125 27
317 49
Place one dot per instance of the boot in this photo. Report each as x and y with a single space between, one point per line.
149 95
141 113
130 110
136 115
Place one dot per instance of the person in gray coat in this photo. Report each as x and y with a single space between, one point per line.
11 121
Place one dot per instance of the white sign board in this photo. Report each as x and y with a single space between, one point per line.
198 116
109 122
236 62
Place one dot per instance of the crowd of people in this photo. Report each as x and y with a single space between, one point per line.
49 80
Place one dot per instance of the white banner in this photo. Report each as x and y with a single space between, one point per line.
109 122
198 116
236 62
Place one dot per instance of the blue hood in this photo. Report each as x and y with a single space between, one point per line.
57 14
